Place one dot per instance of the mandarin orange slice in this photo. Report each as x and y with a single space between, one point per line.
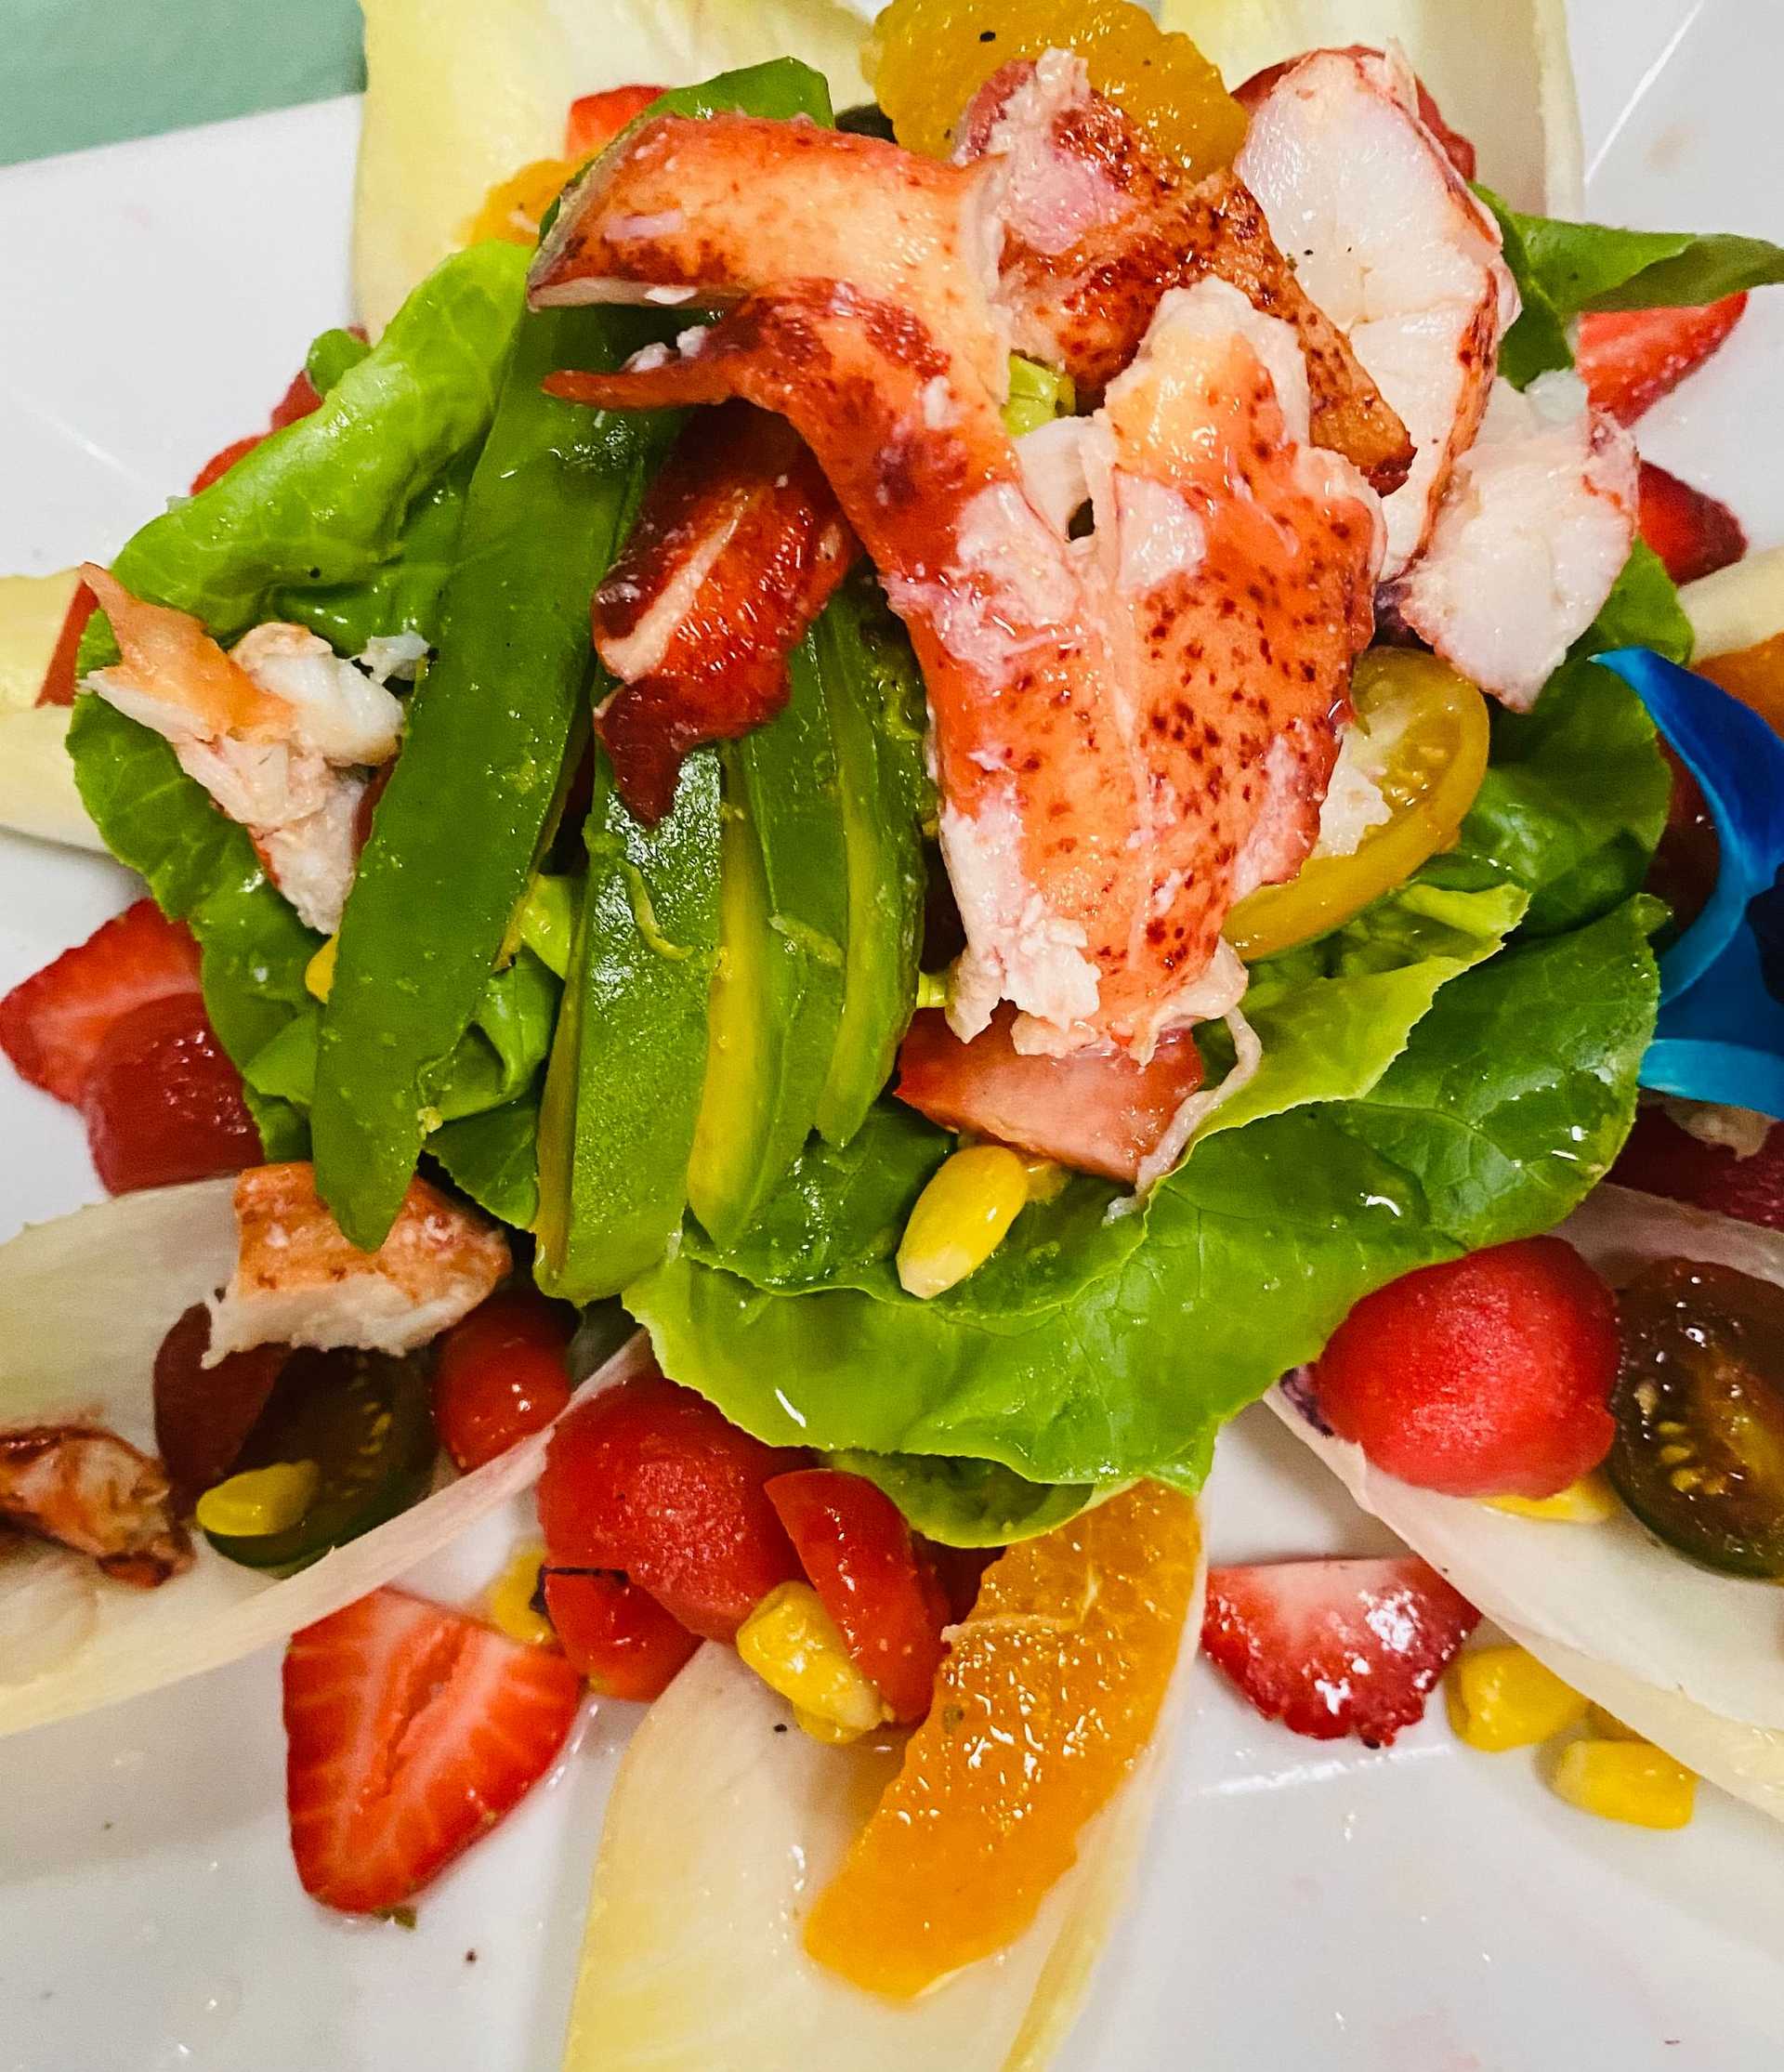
1756 676
1050 1691
926 58
512 208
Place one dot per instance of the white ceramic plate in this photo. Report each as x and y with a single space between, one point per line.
1421 1910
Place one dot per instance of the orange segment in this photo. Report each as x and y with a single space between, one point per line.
1050 1692
512 208
926 58
1756 676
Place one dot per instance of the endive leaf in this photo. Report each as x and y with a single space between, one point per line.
460 94
84 1303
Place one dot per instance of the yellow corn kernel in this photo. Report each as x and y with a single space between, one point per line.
319 973
510 1600
961 1218
1626 1780
1047 1177
1607 1726
792 1644
1589 1502
1503 1697
259 1501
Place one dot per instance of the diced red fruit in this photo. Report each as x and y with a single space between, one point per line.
650 1479
873 1579
1688 857
365 813
1693 533
1098 1114
1460 153
204 1414
616 1634
1489 1375
597 119
1631 357
1661 1157
52 1024
61 676
500 1374
1333 1648
411 1730
162 1102
297 401
1336 1649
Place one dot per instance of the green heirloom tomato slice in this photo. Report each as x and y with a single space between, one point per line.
365 1420
1698 1455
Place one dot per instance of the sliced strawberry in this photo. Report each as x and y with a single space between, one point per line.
1099 1114
1692 533
52 1024
409 1731
1484 1376
1661 1157
597 119
59 685
1336 1647
162 1102
1631 357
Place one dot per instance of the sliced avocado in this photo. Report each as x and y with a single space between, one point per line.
622 1089
778 998
874 696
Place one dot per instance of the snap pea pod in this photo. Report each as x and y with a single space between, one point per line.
472 793
623 1088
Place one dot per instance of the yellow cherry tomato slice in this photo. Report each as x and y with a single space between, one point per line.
1423 734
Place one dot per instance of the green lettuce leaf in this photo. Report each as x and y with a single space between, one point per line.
324 501
1643 611
1247 1258
1537 343
971 1503
493 1158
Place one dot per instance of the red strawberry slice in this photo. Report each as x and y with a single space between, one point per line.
1661 1157
1632 357
52 1024
410 1731
1336 1647
1692 533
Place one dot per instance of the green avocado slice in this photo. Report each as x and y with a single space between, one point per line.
623 1088
777 997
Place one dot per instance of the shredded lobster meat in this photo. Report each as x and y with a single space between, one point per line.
738 546
89 1490
1134 727
1095 232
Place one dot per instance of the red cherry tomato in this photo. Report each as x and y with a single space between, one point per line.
873 1579
597 119
162 1101
650 1479
615 1635
501 1374
1486 1376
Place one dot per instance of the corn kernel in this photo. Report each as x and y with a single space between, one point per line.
1047 1177
1626 1780
792 1644
319 973
1503 1697
1589 1502
260 1500
961 1218
510 1600
1607 1726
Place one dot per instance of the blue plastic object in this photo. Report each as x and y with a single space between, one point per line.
1721 1032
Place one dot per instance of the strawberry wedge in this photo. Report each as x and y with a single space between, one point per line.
1631 357
1694 534
53 1023
411 1730
1333 1648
